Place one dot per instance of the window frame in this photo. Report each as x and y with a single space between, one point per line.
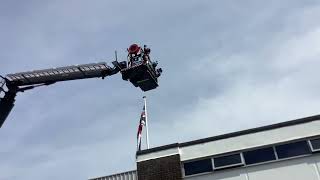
263 162
242 163
196 174
291 142
311 146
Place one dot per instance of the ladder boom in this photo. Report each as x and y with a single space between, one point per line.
139 70
93 70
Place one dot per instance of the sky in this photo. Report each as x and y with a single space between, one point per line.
227 66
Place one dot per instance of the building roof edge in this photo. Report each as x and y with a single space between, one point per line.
233 134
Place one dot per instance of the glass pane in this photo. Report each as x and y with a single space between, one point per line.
315 144
293 149
196 167
227 160
259 155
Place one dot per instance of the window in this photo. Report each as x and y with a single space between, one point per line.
227 161
293 149
196 167
315 143
259 155
252 157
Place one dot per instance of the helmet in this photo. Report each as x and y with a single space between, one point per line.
134 49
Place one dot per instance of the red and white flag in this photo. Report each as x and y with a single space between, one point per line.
140 127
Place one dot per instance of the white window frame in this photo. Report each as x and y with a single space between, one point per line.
197 174
231 165
293 157
311 146
264 162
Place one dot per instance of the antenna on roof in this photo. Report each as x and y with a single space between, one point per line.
116 55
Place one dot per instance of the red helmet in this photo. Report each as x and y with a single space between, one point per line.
134 49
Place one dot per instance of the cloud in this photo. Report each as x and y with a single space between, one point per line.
278 86
227 66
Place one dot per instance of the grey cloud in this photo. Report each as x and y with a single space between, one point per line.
227 66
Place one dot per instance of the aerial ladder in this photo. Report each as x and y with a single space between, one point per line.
138 69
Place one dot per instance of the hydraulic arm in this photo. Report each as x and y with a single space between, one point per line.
139 70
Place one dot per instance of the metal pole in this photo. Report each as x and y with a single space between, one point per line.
146 114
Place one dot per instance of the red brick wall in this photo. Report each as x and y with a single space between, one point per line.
165 168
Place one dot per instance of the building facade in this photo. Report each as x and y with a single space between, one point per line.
286 151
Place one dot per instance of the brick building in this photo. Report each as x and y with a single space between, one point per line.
286 151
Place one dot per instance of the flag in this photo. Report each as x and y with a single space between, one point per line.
140 127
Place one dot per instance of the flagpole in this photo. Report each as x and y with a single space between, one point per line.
146 114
